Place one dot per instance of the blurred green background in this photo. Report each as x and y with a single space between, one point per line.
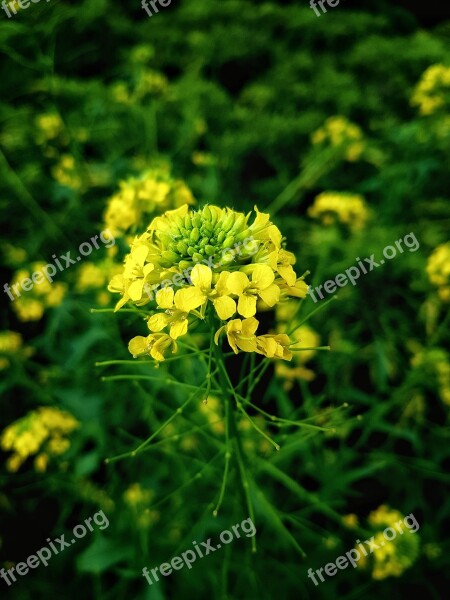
235 103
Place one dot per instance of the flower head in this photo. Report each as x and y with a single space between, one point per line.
348 209
189 260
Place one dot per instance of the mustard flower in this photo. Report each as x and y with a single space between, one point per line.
188 260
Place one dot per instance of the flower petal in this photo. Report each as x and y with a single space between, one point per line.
201 277
189 298
270 295
164 297
237 282
225 307
262 277
158 322
179 328
247 305
135 289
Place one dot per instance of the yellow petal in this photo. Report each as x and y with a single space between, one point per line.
288 274
189 298
135 289
270 295
225 307
178 328
221 286
247 345
237 282
247 305
262 277
138 345
158 322
164 297
249 326
217 335
201 277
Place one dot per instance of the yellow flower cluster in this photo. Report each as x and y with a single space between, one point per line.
148 83
216 260
392 557
67 173
138 499
49 126
433 90
42 433
338 131
31 305
139 199
94 277
349 209
438 270
11 345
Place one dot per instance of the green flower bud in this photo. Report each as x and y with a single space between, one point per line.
240 237
197 257
228 242
195 235
238 223
222 235
170 256
228 223
182 248
187 223
210 250
206 213
184 264
197 220
191 250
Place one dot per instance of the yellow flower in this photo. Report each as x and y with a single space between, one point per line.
340 133
348 209
438 270
261 286
140 198
192 297
240 334
154 345
274 346
433 90
41 431
176 319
